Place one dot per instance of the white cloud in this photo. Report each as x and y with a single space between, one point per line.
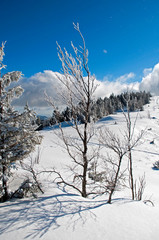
146 71
35 86
150 82
106 87
105 51
125 77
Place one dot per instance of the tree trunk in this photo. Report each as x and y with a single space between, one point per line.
84 178
131 175
85 163
130 135
110 196
5 196
115 181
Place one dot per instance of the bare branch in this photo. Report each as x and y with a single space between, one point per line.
78 88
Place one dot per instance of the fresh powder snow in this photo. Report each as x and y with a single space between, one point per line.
61 215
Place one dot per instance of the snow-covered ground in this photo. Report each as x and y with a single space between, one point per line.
59 215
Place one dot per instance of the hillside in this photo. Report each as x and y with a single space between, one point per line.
62 215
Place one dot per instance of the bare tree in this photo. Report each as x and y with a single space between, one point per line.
113 160
131 141
33 173
78 87
120 147
31 183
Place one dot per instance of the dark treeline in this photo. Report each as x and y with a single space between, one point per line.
106 106
100 108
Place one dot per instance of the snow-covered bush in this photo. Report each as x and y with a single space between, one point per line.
17 132
156 165
26 189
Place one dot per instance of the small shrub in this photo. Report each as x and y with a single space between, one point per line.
156 165
139 188
27 189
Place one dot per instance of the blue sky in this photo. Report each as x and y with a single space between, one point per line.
127 30
122 36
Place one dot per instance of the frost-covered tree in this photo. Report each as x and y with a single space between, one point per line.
77 93
17 135
131 140
116 149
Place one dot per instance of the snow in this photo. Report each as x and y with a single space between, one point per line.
61 215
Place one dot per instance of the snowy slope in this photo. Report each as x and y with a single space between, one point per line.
67 216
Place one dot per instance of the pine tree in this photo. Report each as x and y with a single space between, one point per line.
17 135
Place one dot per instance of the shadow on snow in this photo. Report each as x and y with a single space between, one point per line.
45 213
57 126
105 119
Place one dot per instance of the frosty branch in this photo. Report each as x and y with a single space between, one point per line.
79 87
17 132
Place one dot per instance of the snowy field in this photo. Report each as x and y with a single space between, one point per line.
60 215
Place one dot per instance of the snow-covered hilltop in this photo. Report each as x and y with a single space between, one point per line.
58 214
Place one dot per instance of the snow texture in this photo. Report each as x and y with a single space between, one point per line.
61 215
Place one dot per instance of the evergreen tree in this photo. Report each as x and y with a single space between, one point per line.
17 135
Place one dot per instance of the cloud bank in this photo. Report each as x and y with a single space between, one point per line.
35 86
119 85
150 82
